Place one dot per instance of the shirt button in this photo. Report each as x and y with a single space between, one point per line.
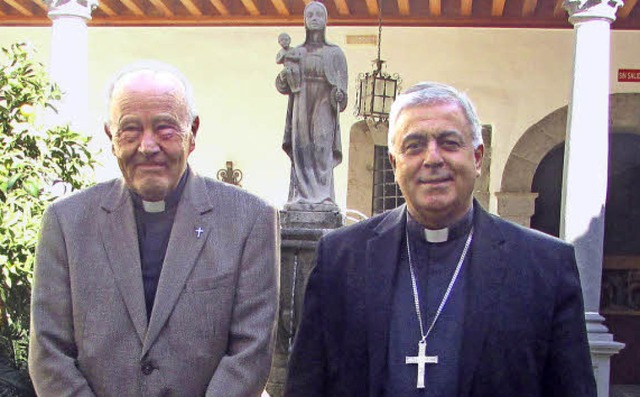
147 368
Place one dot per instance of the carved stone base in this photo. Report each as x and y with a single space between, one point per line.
312 207
310 220
602 348
300 233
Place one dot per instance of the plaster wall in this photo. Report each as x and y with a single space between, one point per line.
515 77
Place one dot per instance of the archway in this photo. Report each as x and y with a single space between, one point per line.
532 180
515 199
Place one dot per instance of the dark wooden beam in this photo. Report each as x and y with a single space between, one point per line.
466 6
404 7
281 7
372 6
251 7
191 7
435 8
159 4
497 8
42 5
106 7
133 7
342 7
626 9
220 7
559 10
528 7
274 20
19 7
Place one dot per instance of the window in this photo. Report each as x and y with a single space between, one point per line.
386 193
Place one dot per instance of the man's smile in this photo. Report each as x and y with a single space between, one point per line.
435 180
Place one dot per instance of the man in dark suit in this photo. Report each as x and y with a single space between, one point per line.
160 283
439 298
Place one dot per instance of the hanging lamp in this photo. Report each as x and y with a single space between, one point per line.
376 90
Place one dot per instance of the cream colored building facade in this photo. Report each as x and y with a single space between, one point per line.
516 78
519 79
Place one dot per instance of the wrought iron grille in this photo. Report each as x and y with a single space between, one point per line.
386 193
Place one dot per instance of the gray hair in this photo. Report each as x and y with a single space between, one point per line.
154 67
430 93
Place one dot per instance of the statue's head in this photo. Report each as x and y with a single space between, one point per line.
315 16
284 40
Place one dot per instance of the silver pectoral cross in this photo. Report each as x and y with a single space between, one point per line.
199 232
421 359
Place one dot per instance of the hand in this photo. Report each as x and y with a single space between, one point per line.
339 96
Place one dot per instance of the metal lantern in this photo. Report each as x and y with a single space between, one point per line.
376 90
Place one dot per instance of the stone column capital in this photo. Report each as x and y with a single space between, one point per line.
589 10
71 8
517 207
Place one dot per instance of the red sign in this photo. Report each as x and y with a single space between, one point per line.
629 75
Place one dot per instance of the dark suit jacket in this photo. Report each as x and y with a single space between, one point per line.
212 324
524 327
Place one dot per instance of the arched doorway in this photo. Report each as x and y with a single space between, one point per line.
533 175
620 299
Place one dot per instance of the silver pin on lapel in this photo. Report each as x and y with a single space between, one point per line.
199 232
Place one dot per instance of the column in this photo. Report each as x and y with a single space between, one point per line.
517 207
585 166
69 66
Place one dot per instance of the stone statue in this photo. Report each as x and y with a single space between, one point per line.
316 98
290 59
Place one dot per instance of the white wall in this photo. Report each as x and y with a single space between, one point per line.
514 76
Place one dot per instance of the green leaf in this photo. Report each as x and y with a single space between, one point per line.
32 157
12 181
32 187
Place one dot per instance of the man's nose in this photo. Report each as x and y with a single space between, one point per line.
148 145
432 155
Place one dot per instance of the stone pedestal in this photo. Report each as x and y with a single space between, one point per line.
602 348
300 232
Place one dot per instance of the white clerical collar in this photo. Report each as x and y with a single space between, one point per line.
436 236
153 206
451 232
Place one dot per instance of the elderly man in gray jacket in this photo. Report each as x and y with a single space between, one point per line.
159 283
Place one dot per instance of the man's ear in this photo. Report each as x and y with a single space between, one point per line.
478 153
108 132
195 125
194 130
392 160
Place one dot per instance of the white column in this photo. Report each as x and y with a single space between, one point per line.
69 66
585 166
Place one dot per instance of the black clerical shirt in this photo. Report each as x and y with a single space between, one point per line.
434 265
154 230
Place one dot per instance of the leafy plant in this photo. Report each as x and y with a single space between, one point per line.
33 159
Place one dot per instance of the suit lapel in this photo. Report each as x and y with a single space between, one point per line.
381 265
190 231
484 279
120 240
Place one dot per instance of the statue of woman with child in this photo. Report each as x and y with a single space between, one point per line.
315 78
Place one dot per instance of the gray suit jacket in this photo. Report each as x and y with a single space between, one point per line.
212 326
